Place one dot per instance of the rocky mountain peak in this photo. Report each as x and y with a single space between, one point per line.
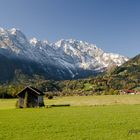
68 56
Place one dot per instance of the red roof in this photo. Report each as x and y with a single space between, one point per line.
129 91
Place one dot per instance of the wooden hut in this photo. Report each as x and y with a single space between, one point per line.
30 97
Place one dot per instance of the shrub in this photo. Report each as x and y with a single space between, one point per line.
50 97
111 92
105 93
116 92
41 104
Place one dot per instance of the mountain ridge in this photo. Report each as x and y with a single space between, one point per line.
64 59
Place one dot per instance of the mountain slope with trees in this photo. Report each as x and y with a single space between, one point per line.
128 75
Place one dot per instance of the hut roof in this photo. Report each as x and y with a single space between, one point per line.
35 90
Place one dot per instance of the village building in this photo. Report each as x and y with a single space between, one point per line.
127 91
30 97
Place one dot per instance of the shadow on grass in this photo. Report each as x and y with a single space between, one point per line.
57 105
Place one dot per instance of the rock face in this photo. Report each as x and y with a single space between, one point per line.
64 59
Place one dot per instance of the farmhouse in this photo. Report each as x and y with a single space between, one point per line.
127 91
30 97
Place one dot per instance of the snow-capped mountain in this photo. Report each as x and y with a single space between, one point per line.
87 56
64 59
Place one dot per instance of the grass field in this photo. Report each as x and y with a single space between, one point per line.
108 120
82 100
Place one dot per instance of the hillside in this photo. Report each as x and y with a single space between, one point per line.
127 75
130 69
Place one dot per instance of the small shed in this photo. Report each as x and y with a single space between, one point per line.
30 97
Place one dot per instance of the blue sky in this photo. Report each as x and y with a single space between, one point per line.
113 25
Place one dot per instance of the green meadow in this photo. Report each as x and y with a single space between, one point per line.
88 118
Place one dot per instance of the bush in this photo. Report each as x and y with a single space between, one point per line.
116 92
41 104
5 95
50 97
105 93
111 92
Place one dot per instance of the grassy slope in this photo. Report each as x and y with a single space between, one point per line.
121 122
129 70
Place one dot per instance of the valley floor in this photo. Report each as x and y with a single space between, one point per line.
81 100
110 118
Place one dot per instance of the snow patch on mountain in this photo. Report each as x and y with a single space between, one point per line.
86 55
65 54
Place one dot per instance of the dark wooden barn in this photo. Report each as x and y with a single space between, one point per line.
30 97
